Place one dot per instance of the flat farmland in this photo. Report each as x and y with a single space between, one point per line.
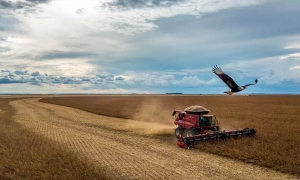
25 154
275 118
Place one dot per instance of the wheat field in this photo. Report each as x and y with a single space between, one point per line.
27 155
274 117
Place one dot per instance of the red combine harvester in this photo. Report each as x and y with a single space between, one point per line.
196 125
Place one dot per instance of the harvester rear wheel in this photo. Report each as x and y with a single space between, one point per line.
178 130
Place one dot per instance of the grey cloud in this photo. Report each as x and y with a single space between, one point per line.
16 5
272 18
36 78
70 80
6 5
39 1
64 55
119 78
28 5
35 74
106 80
7 23
4 49
74 45
9 81
105 76
102 80
35 81
142 3
80 11
230 35
292 58
21 72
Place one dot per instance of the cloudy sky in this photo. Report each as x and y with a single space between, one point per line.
148 46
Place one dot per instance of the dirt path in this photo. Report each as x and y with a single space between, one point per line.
129 155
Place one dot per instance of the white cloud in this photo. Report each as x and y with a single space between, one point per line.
17 40
164 79
294 56
57 26
268 70
15 46
103 80
25 88
63 67
294 46
294 67
58 19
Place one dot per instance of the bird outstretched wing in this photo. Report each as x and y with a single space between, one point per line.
225 78
252 83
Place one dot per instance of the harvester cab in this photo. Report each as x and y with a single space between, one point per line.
194 124
193 121
208 120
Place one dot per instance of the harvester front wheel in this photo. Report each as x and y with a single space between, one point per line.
190 132
178 130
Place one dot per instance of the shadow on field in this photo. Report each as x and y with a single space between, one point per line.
26 155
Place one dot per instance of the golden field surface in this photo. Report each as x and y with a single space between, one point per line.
123 148
276 119
27 155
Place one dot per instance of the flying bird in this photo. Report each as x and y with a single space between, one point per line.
229 81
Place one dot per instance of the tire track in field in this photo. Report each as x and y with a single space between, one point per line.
123 151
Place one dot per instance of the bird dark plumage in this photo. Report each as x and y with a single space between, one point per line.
252 83
229 81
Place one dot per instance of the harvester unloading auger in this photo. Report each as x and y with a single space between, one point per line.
196 125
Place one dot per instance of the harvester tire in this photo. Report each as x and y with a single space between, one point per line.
190 132
178 130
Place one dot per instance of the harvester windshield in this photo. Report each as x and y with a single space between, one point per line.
208 120
205 121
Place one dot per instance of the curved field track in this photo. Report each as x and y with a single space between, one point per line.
119 147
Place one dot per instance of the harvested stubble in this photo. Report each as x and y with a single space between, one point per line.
25 155
275 118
